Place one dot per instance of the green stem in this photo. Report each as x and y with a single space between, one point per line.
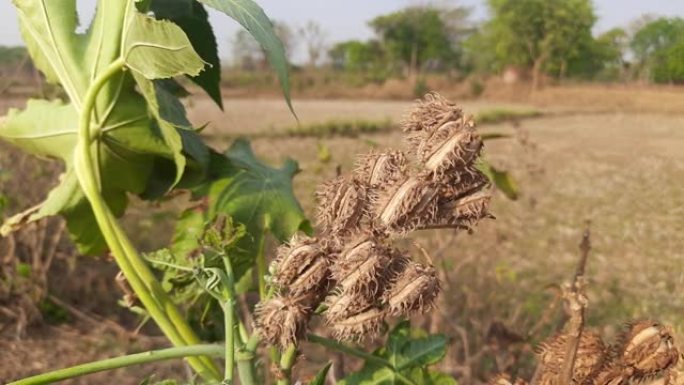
245 367
121 362
141 279
262 268
229 321
287 361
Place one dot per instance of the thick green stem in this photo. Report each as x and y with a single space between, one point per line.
121 362
262 268
141 279
287 361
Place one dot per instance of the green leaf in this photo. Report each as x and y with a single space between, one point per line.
252 17
159 49
251 193
502 180
409 352
193 19
320 377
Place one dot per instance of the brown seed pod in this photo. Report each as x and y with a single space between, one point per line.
414 289
461 183
282 320
407 205
341 205
454 145
430 113
380 169
591 356
342 305
364 324
362 267
463 212
647 349
301 264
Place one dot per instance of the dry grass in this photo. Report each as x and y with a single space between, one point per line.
619 170
622 169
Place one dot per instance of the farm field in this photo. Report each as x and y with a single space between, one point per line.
618 168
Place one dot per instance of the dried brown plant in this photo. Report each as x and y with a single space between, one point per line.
352 268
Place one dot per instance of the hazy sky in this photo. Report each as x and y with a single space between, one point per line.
347 19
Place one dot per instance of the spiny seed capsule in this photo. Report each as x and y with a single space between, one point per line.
648 349
282 320
430 113
463 212
362 267
377 170
358 326
461 183
343 305
301 257
452 146
341 205
414 289
407 205
589 359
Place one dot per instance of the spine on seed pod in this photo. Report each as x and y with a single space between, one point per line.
591 357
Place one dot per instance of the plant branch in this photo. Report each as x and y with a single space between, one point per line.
332 344
122 362
577 302
138 274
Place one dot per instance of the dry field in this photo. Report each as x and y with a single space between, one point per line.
620 169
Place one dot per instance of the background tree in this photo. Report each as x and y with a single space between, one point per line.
247 53
658 48
416 36
314 37
538 34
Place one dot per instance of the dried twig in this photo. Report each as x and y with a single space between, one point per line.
577 302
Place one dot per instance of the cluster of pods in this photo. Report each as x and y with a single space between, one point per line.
350 273
644 351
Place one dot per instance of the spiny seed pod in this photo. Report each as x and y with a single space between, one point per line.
452 146
430 113
590 357
407 205
300 265
282 320
611 374
362 267
463 212
380 169
341 205
414 289
342 305
358 326
464 182
647 348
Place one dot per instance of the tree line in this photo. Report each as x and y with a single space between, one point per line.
540 39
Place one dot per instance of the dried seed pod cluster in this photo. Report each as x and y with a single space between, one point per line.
351 267
645 351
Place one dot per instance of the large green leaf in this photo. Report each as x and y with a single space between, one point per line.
159 49
408 353
252 194
252 17
194 21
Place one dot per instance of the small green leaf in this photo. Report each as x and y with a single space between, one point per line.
252 17
501 179
320 377
24 270
159 49
193 19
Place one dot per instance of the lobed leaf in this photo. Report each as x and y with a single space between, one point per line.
159 49
193 19
254 20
